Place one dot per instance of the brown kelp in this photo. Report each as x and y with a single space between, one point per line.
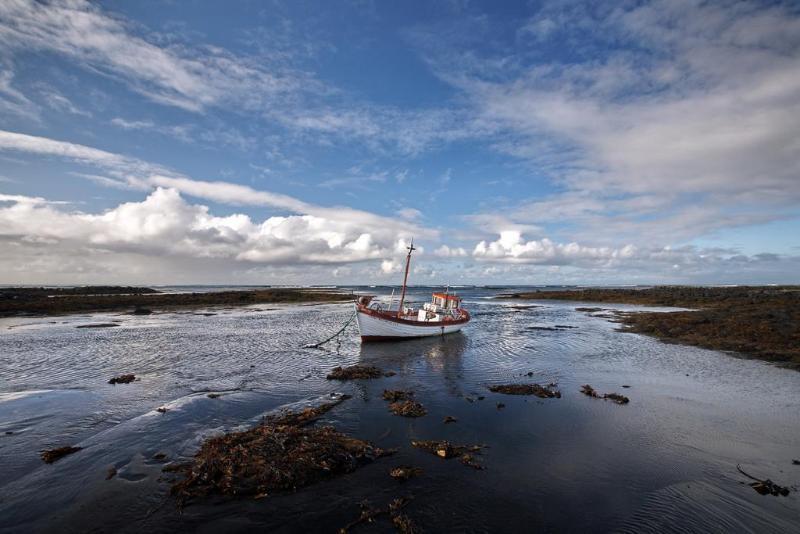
282 454
357 372
548 391
52 455
589 391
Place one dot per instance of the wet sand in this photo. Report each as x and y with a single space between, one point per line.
665 461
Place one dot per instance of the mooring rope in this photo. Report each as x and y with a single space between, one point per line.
318 345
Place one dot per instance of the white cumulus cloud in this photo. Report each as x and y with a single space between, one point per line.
511 247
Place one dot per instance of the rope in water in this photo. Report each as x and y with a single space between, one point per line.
342 329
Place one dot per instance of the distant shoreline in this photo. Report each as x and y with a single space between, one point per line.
32 301
757 321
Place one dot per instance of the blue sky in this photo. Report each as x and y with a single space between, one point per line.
308 142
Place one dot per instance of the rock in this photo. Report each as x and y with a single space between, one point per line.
213 395
52 455
450 419
162 410
111 473
122 379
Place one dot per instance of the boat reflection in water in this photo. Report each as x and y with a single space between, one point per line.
429 359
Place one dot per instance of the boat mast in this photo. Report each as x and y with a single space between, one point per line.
405 278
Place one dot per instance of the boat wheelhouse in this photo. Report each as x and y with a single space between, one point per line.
442 315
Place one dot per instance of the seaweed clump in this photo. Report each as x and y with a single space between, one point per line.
404 472
52 455
446 450
401 521
281 454
394 395
407 408
765 486
304 416
357 372
122 379
616 397
544 392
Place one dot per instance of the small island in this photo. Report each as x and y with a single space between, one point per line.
64 300
757 321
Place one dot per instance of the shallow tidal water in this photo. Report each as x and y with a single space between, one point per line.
664 462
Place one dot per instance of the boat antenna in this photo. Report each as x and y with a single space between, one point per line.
405 277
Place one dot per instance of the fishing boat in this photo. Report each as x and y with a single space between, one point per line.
442 315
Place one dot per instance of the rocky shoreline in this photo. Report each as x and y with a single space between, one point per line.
757 321
56 301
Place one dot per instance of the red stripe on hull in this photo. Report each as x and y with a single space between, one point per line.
379 339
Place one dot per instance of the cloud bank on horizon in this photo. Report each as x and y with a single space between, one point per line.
555 143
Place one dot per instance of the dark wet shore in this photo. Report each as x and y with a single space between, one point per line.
59 301
760 322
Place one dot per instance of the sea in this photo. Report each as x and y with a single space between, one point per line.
665 462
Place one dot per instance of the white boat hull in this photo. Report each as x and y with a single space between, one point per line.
374 328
